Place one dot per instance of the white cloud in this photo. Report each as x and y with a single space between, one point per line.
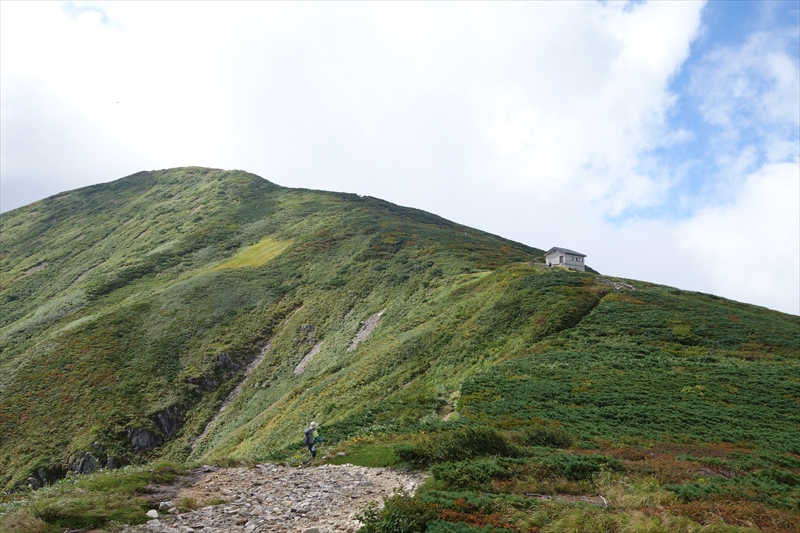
534 120
754 85
746 249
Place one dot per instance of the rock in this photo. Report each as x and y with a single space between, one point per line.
308 329
281 498
169 420
141 439
340 454
165 506
152 513
88 464
226 362
44 475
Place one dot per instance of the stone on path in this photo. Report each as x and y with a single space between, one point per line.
281 498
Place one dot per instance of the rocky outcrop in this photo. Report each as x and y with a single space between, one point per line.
84 463
236 391
142 439
280 498
228 365
308 329
169 420
307 358
44 476
367 327
618 285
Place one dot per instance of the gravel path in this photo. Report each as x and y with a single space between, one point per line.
280 498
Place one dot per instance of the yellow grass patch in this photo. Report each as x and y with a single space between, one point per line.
255 255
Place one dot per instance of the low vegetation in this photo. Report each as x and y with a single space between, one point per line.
102 500
132 311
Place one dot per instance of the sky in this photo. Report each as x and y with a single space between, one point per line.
661 139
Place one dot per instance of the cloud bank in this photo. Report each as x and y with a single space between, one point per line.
549 123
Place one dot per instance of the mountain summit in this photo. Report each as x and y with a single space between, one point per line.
200 315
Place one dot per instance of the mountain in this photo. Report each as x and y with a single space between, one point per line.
202 315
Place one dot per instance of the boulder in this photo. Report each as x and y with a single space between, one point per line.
141 439
169 420
46 475
88 464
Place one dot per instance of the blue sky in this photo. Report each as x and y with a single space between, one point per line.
726 28
659 138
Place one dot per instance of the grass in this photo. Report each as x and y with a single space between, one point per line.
367 454
101 500
255 255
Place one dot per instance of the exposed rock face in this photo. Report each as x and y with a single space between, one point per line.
367 327
308 329
141 439
616 284
307 358
280 498
228 365
169 420
83 463
43 476
236 391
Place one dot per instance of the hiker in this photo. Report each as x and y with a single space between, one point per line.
311 439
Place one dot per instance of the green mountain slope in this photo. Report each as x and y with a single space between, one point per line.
131 311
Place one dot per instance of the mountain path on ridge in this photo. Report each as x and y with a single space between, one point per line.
279 498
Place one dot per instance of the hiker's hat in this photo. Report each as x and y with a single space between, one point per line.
313 425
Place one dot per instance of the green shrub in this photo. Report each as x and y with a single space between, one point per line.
476 502
548 436
578 467
456 445
693 491
401 513
782 477
474 474
440 526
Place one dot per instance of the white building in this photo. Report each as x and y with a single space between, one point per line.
566 258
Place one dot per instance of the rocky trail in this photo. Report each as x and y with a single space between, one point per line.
271 497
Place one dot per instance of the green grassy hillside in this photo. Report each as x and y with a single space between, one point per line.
120 300
133 311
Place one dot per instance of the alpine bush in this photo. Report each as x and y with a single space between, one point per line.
440 526
548 436
578 467
473 473
456 445
401 513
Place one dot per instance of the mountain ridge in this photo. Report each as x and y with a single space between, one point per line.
134 311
